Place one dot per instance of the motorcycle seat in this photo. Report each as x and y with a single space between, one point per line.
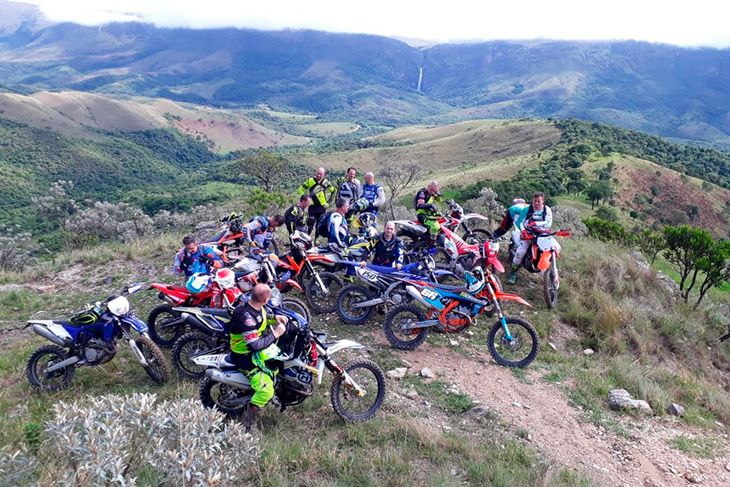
382 269
446 287
222 312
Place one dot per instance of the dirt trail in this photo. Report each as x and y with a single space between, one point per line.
557 430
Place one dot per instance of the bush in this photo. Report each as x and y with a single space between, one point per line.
107 221
606 213
608 231
113 439
565 217
17 250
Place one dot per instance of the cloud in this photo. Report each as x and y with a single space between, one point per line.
697 23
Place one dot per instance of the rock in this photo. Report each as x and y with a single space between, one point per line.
398 373
675 409
406 364
693 478
477 411
727 467
108 280
650 482
619 399
427 373
588 351
412 394
552 345
453 343
517 405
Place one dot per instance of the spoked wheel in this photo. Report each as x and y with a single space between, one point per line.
229 400
550 285
296 305
442 259
350 296
323 300
518 352
477 236
186 348
157 367
40 361
400 317
163 325
353 405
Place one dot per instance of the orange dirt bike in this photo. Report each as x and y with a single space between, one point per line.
542 257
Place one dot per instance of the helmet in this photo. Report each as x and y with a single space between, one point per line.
360 205
225 278
87 316
197 283
474 280
118 306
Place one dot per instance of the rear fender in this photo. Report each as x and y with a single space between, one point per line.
342 345
511 297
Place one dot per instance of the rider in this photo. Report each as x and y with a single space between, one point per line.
338 232
349 187
373 193
251 333
388 250
295 218
321 191
259 232
521 215
195 258
426 211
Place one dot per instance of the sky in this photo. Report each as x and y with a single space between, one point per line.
684 23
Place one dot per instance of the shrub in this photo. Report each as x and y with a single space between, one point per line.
107 221
17 250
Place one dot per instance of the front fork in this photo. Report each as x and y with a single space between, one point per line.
338 371
316 277
133 345
500 314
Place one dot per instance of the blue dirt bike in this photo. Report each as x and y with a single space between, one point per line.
89 338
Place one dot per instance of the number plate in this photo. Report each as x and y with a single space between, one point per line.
368 275
429 294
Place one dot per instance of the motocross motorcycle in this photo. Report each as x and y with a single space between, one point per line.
166 326
301 356
210 332
90 338
231 241
512 342
542 257
415 234
382 286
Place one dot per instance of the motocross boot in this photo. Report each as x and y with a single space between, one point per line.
512 279
251 416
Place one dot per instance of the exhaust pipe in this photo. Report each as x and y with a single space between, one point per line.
63 364
48 335
232 378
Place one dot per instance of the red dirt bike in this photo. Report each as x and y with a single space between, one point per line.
542 257
458 256
231 239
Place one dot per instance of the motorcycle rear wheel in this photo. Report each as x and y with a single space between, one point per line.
354 294
214 395
45 357
162 334
187 347
366 374
502 351
157 366
477 236
320 301
408 340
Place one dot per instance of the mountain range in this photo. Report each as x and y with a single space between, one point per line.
675 92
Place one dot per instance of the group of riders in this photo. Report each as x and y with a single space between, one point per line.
252 331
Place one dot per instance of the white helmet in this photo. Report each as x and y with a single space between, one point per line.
474 281
225 278
118 306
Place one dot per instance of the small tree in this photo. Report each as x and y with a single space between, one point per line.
268 169
606 213
685 247
597 191
716 268
397 177
651 243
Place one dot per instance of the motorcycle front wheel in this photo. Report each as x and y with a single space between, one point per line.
323 300
186 348
477 236
161 329
157 367
394 322
345 399
40 361
296 305
550 285
229 400
348 297
518 352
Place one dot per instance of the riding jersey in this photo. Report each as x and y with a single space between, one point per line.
522 214
295 218
339 232
388 253
429 204
196 262
321 191
248 334
350 190
375 194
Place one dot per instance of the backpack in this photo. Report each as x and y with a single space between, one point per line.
323 225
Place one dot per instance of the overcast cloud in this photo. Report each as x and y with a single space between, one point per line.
696 23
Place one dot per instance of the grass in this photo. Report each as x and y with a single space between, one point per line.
698 447
441 394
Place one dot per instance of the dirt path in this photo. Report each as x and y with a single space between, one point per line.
556 429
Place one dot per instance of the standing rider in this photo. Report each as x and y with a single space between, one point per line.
521 216
195 258
349 187
251 335
426 211
295 218
388 250
321 190
373 193
259 232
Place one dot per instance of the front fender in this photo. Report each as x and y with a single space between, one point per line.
138 325
474 216
342 345
511 297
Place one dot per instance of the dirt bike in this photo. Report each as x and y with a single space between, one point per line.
231 240
414 234
356 393
88 339
452 309
542 257
382 286
210 333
